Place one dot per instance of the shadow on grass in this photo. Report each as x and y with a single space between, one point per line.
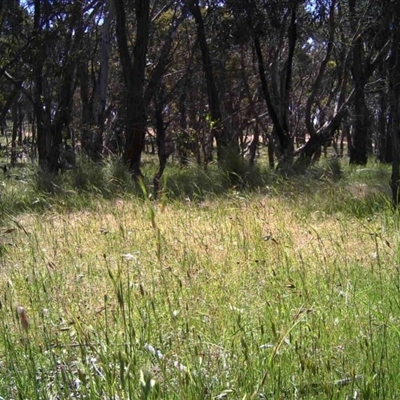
328 186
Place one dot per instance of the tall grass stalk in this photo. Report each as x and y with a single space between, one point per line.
285 292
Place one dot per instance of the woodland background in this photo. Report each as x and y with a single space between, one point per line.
199 199
185 78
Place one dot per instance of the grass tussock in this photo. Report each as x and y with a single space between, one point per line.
213 292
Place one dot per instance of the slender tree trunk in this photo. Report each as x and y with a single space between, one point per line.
254 144
214 119
38 87
394 95
15 119
137 117
137 97
49 123
101 87
134 79
316 86
282 135
384 138
358 148
8 103
20 123
162 153
183 140
33 138
86 116
281 85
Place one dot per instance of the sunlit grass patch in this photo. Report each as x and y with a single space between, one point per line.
263 294
287 290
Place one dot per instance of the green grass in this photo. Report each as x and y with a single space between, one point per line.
267 288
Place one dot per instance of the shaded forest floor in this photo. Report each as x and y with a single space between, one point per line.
262 287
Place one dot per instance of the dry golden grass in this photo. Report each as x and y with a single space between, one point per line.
229 244
262 281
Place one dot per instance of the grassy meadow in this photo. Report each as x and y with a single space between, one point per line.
262 288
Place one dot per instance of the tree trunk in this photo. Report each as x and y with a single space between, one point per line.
358 147
316 86
87 115
101 87
394 95
137 97
183 139
254 144
20 123
15 119
217 129
384 140
134 80
42 112
50 123
282 135
162 153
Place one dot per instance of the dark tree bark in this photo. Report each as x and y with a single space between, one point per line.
278 109
259 123
326 132
84 80
366 56
43 117
254 144
394 95
282 135
15 128
358 147
87 109
100 93
384 139
137 94
134 80
53 113
216 126
9 101
183 138
317 84
309 151
161 148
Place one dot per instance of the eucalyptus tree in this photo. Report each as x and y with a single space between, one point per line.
354 47
377 89
56 50
87 76
101 92
367 23
141 78
380 103
217 128
15 40
271 29
394 97
329 95
163 111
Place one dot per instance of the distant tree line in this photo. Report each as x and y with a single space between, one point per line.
193 76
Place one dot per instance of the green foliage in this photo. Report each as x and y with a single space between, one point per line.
46 183
88 176
193 183
118 176
328 187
